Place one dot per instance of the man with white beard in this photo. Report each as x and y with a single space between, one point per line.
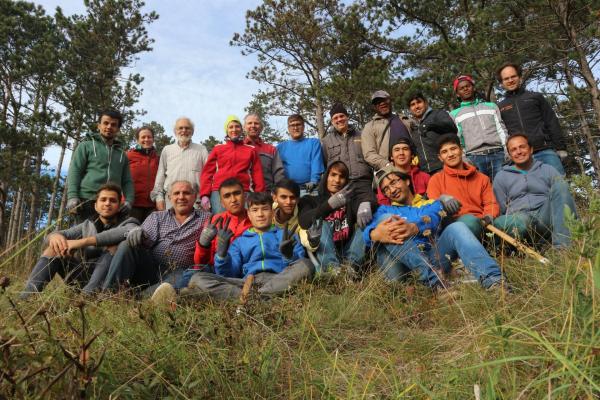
180 161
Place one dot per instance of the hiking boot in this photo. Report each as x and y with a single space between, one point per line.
500 286
164 295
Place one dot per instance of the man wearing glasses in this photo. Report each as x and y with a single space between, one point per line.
529 113
302 157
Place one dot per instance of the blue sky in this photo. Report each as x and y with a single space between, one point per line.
192 70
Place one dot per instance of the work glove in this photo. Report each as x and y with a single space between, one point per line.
135 237
364 214
450 204
286 246
339 199
72 203
310 186
562 154
487 220
224 235
209 232
205 203
314 233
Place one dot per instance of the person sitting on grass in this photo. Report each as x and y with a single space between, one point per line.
471 188
339 214
96 238
407 235
272 255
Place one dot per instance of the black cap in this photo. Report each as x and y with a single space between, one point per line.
338 108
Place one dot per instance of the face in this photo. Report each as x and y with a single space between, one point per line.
234 130
286 200
418 107
107 204
336 180
253 127
451 155
108 127
510 79
402 156
182 197
261 216
464 90
396 189
232 199
146 139
340 122
296 129
383 106
184 131
521 153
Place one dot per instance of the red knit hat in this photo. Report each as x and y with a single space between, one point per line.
461 78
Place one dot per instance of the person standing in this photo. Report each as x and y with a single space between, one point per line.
143 162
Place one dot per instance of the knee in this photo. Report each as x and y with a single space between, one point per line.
457 228
112 249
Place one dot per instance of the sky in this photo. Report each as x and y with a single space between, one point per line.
191 71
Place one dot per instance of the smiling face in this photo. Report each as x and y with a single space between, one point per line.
418 107
182 197
336 180
286 200
261 216
510 79
145 139
396 189
253 127
521 153
234 130
382 106
232 199
184 131
108 128
402 156
465 90
296 129
340 122
451 155
107 204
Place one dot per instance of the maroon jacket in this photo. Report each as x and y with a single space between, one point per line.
143 165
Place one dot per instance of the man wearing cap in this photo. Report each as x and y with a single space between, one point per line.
480 128
428 126
408 236
529 113
383 127
343 143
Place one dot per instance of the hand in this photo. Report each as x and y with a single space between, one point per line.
160 205
562 154
205 203
310 186
286 246
314 233
209 232
58 244
135 237
224 235
450 204
487 220
339 199
364 214
72 204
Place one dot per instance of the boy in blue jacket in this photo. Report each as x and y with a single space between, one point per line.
409 236
273 255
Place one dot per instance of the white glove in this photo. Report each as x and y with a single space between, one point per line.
72 203
364 214
135 237
562 154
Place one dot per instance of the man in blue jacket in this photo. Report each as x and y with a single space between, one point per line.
408 233
273 255
532 196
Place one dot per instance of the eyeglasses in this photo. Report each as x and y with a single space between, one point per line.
388 188
297 125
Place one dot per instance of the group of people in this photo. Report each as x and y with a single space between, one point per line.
414 192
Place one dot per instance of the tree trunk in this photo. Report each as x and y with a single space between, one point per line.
318 103
35 195
56 181
2 210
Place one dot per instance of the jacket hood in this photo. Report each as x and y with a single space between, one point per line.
322 188
469 170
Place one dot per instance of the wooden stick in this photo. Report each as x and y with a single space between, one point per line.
520 246
245 292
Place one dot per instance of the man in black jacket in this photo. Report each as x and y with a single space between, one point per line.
430 125
529 113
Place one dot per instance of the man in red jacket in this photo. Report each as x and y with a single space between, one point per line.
471 188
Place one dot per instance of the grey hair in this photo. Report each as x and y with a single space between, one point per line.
187 119
194 185
252 114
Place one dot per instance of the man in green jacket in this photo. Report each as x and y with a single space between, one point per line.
97 160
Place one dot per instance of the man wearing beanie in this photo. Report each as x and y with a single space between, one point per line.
480 128
343 143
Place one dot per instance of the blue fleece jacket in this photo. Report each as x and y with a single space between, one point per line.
426 215
255 252
302 160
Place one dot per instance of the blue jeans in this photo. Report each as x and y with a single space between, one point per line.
188 273
456 241
488 164
549 156
353 250
548 219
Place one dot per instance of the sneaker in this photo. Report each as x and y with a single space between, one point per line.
164 295
500 286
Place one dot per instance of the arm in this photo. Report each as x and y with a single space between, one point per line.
298 249
76 171
501 194
551 124
208 171
433 188
258 179
113 236
490 205
127 182
369 149
151 228
231 265
316 165
500 127
158 192
277 168
309 210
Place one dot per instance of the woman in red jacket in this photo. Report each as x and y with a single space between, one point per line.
232 159
143 163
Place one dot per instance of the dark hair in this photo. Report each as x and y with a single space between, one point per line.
399 174
415 96
112 114
341 166
447 138
111 187
143 128
287 184
516 66
259 199
514 135
295 117
230 182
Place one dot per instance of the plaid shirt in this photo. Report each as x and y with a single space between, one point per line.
170 242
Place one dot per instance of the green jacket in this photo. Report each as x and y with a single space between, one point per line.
95 163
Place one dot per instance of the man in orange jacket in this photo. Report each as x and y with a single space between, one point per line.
471 188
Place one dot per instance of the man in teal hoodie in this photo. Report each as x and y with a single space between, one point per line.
97 160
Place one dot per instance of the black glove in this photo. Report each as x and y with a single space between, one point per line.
314 233
224 235
209 232
286 246
450 204
310 186
487 220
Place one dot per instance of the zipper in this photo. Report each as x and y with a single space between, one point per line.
519 114
422 146
262 248
109 148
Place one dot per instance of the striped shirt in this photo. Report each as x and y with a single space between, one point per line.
170 242
177 163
